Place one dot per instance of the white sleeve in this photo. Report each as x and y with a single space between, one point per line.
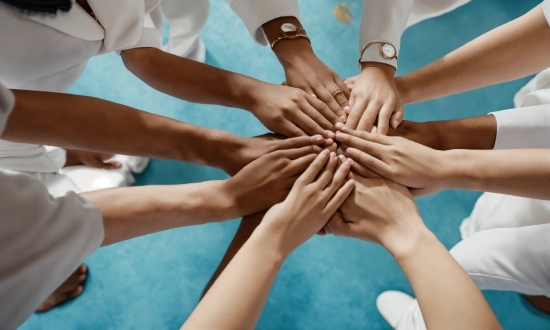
383 20
43 240
151 35
7 100
546 10
255 13
523 128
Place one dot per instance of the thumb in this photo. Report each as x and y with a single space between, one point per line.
337 225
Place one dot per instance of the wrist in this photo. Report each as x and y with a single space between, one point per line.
272 238
403 245
292 51
404 90
461 171
386 69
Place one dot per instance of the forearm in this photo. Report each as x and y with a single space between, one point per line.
447 296
86 123
288 51
519 172
511 51
236 299
136 211
468 133
190 80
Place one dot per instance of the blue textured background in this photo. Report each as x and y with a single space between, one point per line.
155 281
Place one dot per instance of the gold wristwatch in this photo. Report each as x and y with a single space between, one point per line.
387 50
290 31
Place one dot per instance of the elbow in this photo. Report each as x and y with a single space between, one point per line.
137 60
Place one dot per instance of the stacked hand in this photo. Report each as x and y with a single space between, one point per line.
398 159
375 102
313 200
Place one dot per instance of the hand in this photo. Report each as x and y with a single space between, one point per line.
304 70
398 159
291 111
91 158
350 82
268 180
379 211
374 95
314 198
242 150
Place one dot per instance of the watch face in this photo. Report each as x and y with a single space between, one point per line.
289 28
388 50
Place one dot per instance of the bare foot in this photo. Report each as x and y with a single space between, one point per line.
70 289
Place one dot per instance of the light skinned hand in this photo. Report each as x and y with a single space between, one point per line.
91 158
314 198
374 96
268 180
398 159
291 111
379 211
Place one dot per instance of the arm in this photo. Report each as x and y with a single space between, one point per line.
135 211
511 51
304 70
374 94
236 299
521 172
87 123
282 109
385 212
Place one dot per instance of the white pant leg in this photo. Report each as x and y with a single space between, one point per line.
186 18
504 211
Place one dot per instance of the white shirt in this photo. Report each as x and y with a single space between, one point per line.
381 19
49 53
42 239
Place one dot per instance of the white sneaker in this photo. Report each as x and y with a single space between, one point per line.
392 304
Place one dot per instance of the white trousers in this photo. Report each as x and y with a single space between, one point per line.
186 19
505 246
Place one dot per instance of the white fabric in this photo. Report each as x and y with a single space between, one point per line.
386 20
44 239
527 127
49 52
186 19
6 105
255 13
546 10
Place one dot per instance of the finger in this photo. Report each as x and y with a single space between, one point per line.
363 171
338 199
369 117
318 117
372 148
294 153
329 100
302 141
384 119
306 124
343 87
373 137
327 230
397 117
323 109
291 130
105 156
328 172
369 162
340 176
313 170
298 166
356 112
373 130
112 165
340 97
339 227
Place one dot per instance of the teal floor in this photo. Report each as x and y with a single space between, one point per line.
154 282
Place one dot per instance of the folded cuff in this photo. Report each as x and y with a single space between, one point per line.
523 128
255 13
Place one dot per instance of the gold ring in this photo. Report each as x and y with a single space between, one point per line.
336 92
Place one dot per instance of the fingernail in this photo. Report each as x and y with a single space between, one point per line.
316 148
347 109
350 151
314 95
324 153
339 136
351 181
342 158
329 134
332 155
343 119
339 125
395 123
